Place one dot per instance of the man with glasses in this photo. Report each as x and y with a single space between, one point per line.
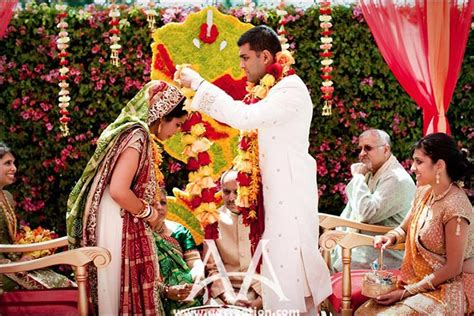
380 193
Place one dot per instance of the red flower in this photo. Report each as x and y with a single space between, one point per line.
327 89
203 159
326 77
244 143
291 72
193 119
212 36
64 119
243 179
193 164
275 70
326 54
114 22
208 195
326 33
327 96
196 201
211 231
326 69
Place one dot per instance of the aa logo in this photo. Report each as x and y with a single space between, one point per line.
248 276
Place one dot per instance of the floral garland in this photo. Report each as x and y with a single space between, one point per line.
327 89
150 15
157 151
114 39
201 188
62 44
39 234
249 7
246 163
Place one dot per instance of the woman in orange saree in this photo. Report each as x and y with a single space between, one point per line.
437 273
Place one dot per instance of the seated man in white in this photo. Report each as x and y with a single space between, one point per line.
233 246
380 193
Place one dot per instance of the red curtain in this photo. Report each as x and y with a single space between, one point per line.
423 43
6 12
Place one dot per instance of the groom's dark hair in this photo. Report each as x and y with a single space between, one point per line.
261 38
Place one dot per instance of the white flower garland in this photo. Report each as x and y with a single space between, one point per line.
62 44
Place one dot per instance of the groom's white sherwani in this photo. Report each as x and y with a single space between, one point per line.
288 172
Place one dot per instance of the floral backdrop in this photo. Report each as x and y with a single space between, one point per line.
366 95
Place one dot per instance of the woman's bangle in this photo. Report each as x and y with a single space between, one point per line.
403 294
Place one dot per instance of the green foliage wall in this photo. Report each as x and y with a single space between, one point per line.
367 96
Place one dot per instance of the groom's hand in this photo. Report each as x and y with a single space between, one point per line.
188 78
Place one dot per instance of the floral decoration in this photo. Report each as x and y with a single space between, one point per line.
150 15
203 142
29 78
249 7
327 86
62 44
114 14
26 235
248 177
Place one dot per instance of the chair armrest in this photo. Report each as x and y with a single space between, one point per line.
54 243
77 257
327 221
348 240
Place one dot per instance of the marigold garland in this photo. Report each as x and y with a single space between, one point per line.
114 14
158 159
327 86
201 188
62 44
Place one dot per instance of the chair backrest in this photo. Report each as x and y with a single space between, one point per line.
20 302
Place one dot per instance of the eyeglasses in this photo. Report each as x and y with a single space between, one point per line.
368 148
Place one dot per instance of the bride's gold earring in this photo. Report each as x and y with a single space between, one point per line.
437 177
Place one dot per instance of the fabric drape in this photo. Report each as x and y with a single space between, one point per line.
6 13
423 43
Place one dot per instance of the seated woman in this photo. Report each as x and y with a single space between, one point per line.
437 275
179 260
39 279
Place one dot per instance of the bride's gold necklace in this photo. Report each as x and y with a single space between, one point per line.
9 216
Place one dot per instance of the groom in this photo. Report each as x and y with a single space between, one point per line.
282 118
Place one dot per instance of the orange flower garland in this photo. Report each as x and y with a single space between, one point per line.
62 44
327 89
247 164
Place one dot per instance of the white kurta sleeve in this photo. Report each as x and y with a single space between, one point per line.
375 207
277 108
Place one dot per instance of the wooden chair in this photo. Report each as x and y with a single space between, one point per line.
68 301
346 285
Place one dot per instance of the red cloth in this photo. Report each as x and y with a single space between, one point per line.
357 299
6 12
423 43
40 302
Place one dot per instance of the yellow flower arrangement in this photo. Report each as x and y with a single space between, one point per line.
31 236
